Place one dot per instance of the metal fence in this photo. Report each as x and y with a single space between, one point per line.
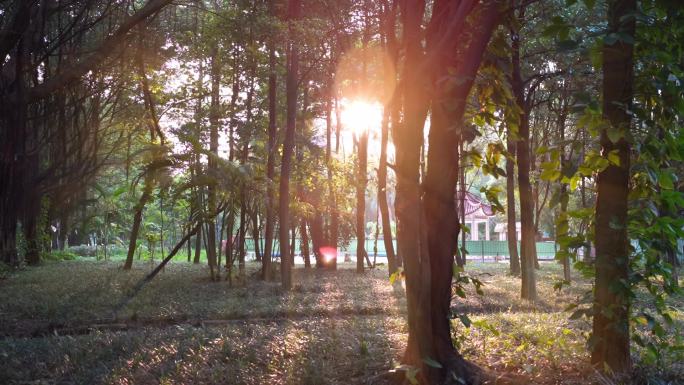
476 249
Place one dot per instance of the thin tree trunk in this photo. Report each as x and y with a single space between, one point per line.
242 231
332 204
527 243
294 12
562 221
215 273
150 183
511 224
137 219
270 162
293 243
382 197
464 190
244 186
198 246
361 181
304 246
256 232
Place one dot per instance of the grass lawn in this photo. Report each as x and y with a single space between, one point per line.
56 326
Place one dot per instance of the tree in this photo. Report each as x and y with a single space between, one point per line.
389 117
294 13
21 90
610 330
271 154
527 242
511 222
428 228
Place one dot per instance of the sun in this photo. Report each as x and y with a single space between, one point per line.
360 116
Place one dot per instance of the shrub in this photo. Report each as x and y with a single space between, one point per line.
60 255
83 250
5 270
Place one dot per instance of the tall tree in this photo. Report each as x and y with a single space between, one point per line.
527 242
271 155
389 78
23 44
610 331
361 182
293 14
511 221
214 115
429 247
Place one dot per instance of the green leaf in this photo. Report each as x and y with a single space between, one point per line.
614 157
573 182
396 276
465 320
589 4
665 180
614 134
550 175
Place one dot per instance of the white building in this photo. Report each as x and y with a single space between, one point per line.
477 214
502 230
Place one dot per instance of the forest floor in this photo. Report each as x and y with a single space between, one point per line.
56 326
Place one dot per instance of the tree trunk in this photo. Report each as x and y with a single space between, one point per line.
448 108
562 222
361 181
293 244
462 181
408 208
527 243
511 224
214 272
271 154
137 219
317 237
242 231
256 232
294 12
332 204
610 330
304 245
31 215
230 244
382 197
390 117
198 245
13 120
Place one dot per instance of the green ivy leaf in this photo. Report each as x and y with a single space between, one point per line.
665 180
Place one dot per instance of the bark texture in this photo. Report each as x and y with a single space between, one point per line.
611 307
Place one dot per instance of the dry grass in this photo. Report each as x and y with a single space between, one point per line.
333 328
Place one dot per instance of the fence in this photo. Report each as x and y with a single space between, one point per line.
476 249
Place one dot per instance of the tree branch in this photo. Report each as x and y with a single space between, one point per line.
106 48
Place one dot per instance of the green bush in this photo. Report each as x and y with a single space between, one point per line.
65 255
83 250
5 270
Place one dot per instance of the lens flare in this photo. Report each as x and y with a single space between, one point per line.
328 253
362 116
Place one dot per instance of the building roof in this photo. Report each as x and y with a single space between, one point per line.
472 204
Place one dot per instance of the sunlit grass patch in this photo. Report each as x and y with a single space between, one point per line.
546 347
77 291
313 351
334 327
